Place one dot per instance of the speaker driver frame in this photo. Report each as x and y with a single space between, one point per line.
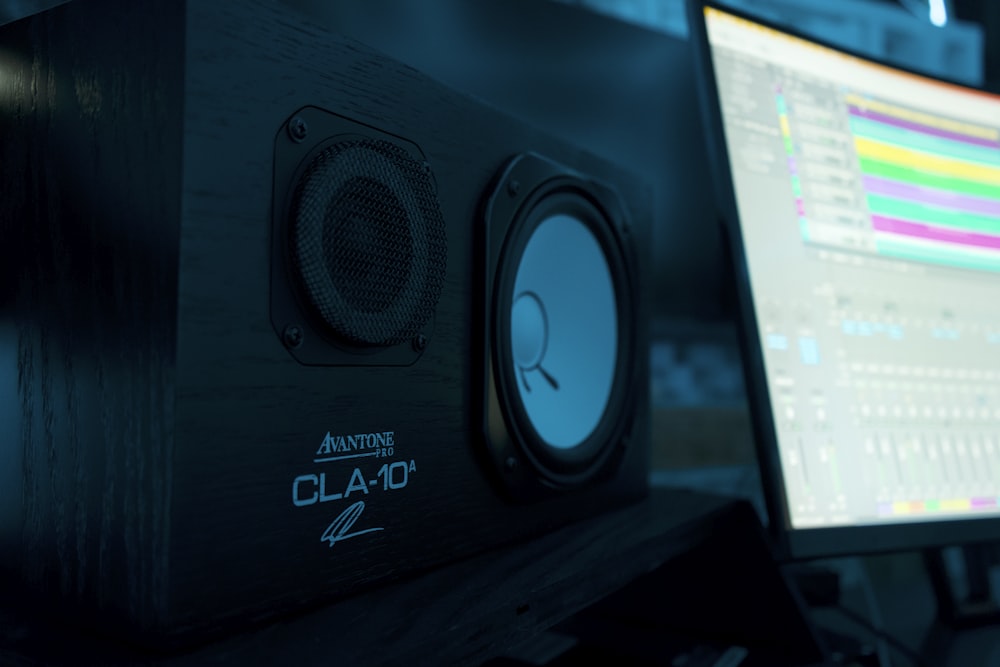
308 338
529 190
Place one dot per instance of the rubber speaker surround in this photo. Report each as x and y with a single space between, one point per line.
367 241
538 212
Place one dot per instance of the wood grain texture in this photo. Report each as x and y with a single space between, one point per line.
462 614
162 422
90 179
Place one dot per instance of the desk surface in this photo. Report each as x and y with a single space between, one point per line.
460 614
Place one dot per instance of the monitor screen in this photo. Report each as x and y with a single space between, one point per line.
864 213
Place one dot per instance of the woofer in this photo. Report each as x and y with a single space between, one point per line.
562 339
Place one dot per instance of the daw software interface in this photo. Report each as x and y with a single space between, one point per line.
869 203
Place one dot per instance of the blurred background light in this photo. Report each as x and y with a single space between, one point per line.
939 13
924 35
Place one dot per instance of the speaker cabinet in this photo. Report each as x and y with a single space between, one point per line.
283 319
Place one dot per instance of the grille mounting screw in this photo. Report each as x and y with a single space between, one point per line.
292 336
297 129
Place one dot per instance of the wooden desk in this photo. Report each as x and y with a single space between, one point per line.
461 614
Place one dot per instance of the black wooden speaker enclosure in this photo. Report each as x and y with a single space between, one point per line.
173 465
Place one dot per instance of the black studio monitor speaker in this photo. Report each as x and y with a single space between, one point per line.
284 319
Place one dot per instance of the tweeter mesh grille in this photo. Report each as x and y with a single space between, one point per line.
368 241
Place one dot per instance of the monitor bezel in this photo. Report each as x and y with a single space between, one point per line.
798 543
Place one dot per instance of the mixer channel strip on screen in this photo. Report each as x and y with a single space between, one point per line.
885 406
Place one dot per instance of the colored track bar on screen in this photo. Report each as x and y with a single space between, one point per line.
932 184
901 508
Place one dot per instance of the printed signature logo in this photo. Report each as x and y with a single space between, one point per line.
339 529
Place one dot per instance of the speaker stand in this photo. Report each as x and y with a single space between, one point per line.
952 616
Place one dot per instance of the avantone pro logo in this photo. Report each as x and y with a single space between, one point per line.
338 483
338 447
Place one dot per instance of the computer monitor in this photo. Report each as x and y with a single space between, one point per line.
862 205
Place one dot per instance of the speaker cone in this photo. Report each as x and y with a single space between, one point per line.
561 327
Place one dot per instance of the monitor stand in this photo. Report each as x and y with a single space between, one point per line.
976 610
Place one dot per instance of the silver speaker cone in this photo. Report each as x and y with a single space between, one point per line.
564 331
